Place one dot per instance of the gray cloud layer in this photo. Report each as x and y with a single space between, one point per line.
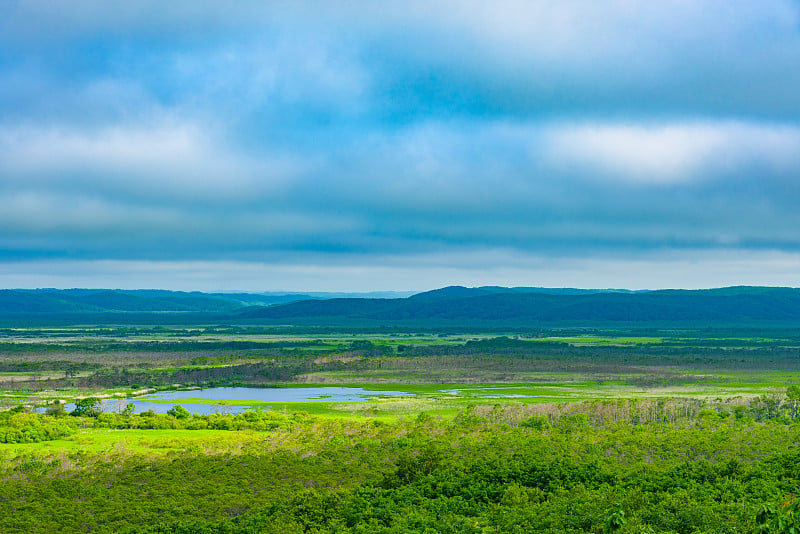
310 133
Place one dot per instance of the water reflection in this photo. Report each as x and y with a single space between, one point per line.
227 394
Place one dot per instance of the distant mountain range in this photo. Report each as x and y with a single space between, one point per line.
542 305
446 306
16 301
79 301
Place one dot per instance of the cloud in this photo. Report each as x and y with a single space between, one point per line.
314 133
171 192
674 153
506 58
147 162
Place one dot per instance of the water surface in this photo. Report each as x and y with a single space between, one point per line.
226 396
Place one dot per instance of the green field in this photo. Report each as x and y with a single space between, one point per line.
559 431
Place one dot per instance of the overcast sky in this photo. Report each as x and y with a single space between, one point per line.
357 146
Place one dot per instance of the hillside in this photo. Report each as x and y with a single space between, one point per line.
449 306
735 305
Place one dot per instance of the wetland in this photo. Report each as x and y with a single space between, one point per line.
159 429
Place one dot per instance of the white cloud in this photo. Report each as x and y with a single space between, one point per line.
176 160
672 152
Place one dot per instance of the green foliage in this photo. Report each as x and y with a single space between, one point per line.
615 521
17 427
362 344
537 422
88 407
179 412
793 401
767 406
310 474
56 409
783 519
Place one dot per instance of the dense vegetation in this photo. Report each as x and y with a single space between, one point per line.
660 430
487 470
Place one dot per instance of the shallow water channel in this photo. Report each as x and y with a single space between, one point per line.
235 399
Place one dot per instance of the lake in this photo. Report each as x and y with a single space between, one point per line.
234 399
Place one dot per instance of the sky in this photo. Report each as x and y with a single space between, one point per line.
368 145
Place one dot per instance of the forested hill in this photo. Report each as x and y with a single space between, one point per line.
104 301
734 305
141 305
447 306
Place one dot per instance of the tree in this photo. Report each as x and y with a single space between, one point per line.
88 407
793 401
56 409
179 412
766 406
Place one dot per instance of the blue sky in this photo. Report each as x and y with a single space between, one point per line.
357 146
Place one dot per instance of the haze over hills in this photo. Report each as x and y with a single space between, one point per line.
446 306
79 300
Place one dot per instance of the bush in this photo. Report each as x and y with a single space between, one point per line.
179 412
88 407
537 422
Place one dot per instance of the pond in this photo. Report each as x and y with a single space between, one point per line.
236 399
